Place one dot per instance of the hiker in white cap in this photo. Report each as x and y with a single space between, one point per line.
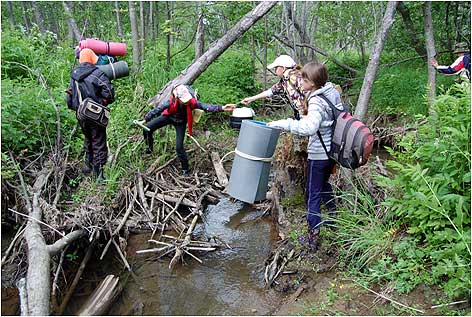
289 84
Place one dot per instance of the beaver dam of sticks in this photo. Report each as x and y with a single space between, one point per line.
158 201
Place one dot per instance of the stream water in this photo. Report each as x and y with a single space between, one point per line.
229 282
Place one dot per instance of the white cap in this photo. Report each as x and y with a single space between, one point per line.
284 61
182 93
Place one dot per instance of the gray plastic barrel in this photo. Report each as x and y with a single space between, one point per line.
115 70
251 165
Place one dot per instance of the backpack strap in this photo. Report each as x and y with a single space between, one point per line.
318 132
78 91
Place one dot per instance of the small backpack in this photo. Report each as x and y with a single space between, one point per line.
352 141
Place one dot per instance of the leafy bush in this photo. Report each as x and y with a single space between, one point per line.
421 232
431 191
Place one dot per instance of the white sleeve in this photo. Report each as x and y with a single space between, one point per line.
306 126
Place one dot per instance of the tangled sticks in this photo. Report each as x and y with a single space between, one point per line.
156 201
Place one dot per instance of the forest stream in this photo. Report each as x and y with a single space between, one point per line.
229 282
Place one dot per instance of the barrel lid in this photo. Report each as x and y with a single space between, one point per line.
243 112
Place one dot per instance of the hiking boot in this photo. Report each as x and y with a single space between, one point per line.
147 150
310 240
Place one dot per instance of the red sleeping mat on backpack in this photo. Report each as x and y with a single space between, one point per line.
101 47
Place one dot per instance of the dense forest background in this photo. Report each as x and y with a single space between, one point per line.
419 232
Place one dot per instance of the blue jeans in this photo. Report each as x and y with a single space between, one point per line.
318 189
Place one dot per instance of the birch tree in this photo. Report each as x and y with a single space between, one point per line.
38 16
119 28
142 31
415 42
134 34
200 36
26 20
72 24
430 51
11 19
372 67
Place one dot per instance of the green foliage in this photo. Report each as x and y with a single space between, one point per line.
8 168
431 191
421 232
227 80
400 90
28 115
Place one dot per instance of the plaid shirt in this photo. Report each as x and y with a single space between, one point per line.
291 85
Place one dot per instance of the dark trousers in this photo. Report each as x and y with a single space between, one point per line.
95 143
318 189
180 128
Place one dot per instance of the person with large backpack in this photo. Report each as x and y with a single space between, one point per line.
178 111
317 117
91 90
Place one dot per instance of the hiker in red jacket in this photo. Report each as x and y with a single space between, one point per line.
178 112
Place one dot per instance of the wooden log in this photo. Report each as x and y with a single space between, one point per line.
170 199
219 169
101 299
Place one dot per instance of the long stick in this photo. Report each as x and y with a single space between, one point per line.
72 287
389 299
123 221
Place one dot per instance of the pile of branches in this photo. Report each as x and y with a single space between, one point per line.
159 200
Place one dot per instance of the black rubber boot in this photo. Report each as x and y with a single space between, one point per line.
149 141
87 169
97 173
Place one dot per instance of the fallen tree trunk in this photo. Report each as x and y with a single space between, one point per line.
38 280
191 73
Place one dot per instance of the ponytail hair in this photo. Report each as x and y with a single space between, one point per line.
316 73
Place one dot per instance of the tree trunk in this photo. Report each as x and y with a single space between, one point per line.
10 15
134 33
194 70
38 16
429 38
38 279
200 37
168 39
151 21
289 28
26 20
119 28
72 24
415 43
301 30
156 21
52 19
371 71
264 64
142 31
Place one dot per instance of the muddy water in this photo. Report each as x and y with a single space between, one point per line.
229 282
